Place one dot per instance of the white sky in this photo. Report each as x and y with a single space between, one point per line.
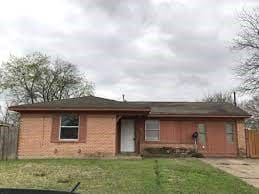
148 50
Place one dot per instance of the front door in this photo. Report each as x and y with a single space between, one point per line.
127 135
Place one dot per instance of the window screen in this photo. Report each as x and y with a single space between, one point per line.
152 130
69 126
229 127
202 133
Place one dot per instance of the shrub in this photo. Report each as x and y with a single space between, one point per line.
197 155
168 152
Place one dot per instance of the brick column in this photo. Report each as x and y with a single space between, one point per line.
241 139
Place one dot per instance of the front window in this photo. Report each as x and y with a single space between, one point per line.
152 130
230 131
202 133
69 125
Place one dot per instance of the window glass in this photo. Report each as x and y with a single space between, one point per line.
229 127
229 138
69 133
152 124
202 133
201 128
69 120
152 135
69 126
152 130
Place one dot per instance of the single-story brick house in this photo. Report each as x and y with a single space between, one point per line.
90 125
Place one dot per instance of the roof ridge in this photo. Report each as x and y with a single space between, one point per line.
87 96
102 98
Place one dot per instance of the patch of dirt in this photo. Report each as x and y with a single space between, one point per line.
246 169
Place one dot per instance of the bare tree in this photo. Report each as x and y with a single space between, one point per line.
19 76
37 78
218 97
248 41
252 107
62 81
7 116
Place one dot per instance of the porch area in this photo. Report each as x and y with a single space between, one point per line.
138 134
141 135
128 135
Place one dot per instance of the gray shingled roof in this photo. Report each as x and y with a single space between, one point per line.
155 108
193 108
86 102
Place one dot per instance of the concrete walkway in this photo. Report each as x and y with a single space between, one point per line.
246 169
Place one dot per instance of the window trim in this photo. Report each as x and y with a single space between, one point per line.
152 129
60 126
233 124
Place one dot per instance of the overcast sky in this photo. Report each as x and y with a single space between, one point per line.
173 50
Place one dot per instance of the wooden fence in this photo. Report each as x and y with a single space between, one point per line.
252 139
8 142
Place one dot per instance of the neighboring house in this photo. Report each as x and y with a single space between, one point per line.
88 126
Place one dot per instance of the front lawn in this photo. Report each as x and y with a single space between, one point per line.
121 176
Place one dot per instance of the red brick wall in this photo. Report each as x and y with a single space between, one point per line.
241 138
35 137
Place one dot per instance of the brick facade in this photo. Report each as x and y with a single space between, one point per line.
100 138
241 138
35 138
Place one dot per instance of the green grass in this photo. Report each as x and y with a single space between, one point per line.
121 176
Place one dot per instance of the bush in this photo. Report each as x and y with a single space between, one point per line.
167 152
197 155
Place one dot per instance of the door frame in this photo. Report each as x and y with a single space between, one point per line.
119 135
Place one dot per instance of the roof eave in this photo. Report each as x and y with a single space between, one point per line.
23 109
199 115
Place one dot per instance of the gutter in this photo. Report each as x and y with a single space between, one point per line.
199 116
78 109
147 110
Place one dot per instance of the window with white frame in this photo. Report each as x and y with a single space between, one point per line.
69 125
152 130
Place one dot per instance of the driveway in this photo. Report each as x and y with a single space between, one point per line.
246 169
